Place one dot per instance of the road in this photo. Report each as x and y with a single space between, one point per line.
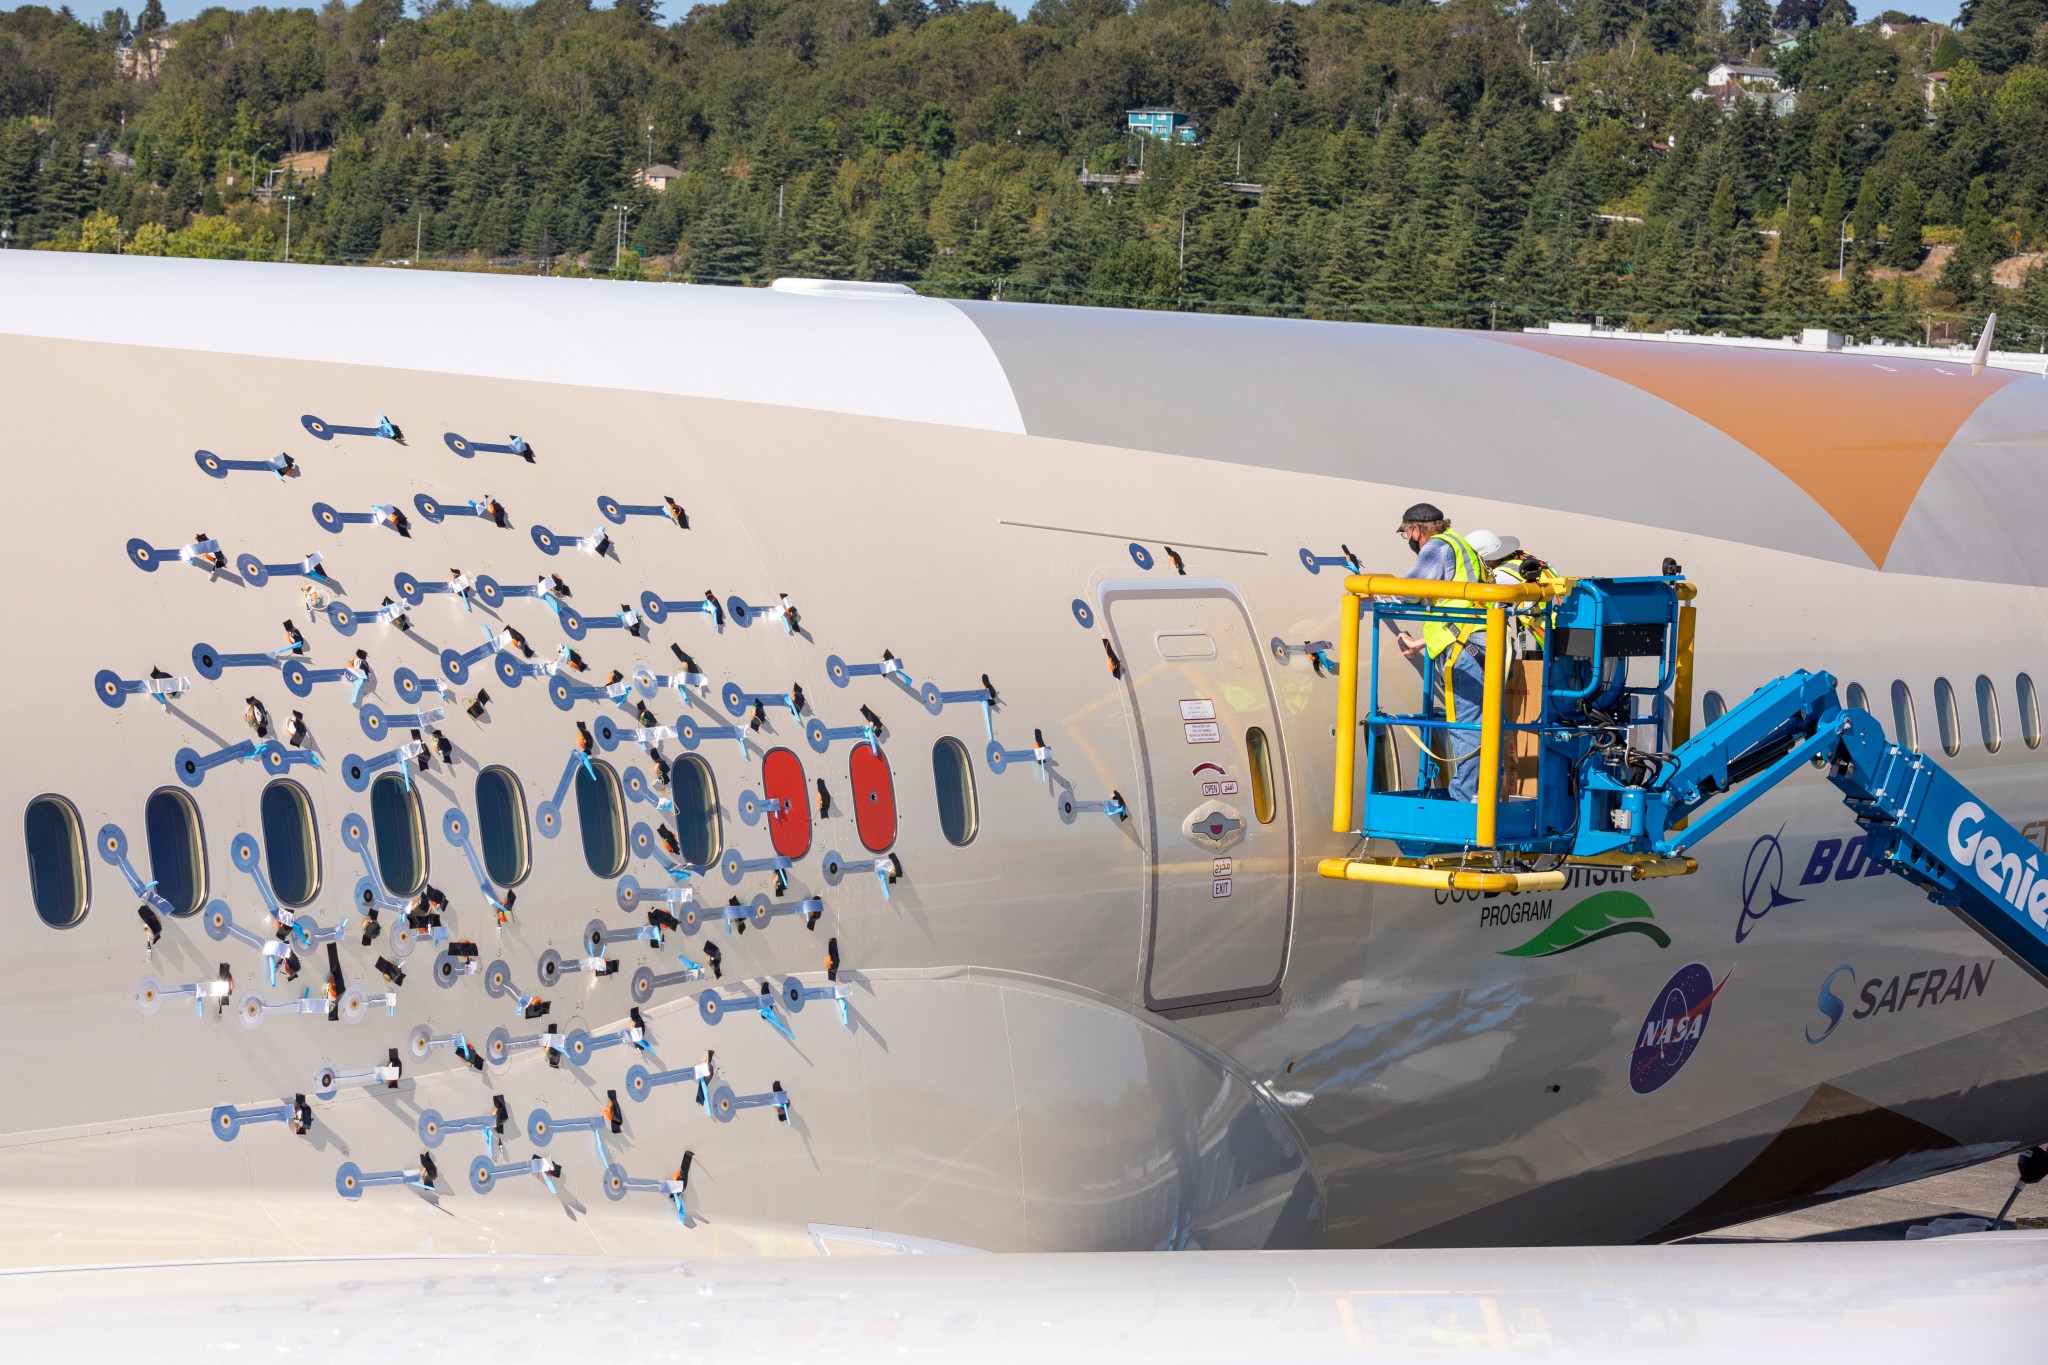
1886 1214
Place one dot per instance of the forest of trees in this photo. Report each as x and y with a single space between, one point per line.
1469 163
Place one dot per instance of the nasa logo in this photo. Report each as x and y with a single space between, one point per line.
1763 883
1830 1004
1673 1028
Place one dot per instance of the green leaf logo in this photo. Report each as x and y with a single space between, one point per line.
1596 917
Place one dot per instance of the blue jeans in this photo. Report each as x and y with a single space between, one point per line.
1468 689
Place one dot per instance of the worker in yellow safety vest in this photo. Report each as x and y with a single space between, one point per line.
1453 654
1522 699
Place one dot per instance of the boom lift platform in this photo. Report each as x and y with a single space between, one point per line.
1620 781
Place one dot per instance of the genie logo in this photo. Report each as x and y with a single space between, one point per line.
1763 883
1830 1004
1673 1028
2019 884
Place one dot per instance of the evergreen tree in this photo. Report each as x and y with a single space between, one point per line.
1867 225
1958 277
63 191
1977 223
17 170
825 249
896 245
1861 300
1834 214
1795 288
1751 27
1284 54
2029 305
2001 33
719 245
1902 250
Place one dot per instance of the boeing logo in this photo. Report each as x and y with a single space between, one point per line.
1763 883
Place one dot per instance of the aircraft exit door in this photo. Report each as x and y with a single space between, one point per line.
1220 829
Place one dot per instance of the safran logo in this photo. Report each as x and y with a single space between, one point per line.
1881 995
1830 1004
1673 1028
1596 917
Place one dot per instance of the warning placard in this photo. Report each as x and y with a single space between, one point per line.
1202 732
1197 708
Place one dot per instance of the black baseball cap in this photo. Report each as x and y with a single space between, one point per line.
1421 511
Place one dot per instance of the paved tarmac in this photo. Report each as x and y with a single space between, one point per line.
1885 1215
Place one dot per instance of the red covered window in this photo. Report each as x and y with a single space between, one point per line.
874 798
782 779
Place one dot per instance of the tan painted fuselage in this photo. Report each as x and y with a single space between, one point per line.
1071 1032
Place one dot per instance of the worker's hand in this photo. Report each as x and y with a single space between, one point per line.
1410 646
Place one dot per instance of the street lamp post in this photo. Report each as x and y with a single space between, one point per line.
650 147
619 251
1841 250
289 200
6 233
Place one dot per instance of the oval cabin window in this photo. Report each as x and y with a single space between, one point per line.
1258 754
602 814
874 798
501 826
953 780
1905 729
1946 719
782 779
177 849
1988 720
1857 697
291 845
395 827
695 794
1712 707
56 861
2030 710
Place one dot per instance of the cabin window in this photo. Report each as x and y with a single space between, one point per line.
1945 718
501 826
1857 697
782 779
1713 707
2030 710
291 845
1987 714
1905 733
1259 759
177 849
874 798
953 780
395 826
1386 763
601 812
56 861
695 793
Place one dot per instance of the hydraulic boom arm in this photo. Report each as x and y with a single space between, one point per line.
1917 818
1604 673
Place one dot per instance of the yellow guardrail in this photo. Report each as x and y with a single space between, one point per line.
1496 598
